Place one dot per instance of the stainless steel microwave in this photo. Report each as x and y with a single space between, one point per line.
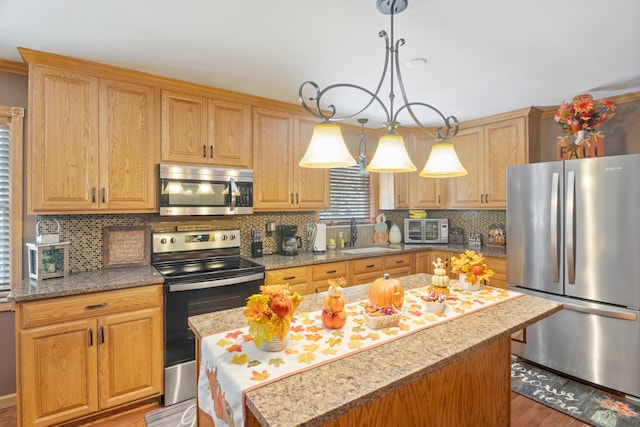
204 190
426 230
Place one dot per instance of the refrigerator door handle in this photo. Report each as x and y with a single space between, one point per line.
555 253
599 312
570 234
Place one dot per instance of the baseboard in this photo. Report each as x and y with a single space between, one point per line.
7 401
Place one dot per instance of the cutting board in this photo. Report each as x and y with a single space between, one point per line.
380 237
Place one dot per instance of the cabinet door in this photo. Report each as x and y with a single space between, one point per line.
504 146
426 193
58 372
184 128
130 356
468 191
499 267
229 134
402 190
311 185
423 262
127 147
63 141
272 160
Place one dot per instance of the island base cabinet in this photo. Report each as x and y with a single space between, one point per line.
473 391
89 355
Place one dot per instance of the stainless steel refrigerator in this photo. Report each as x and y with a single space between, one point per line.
573 231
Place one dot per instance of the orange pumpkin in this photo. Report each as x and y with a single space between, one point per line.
439 290
281 306
333 308
335 320
386 292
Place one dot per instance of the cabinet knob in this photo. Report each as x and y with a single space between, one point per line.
93 194
289 278
104 195
211 151
204 151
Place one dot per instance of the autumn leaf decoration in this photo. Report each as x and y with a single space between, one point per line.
472 264
269 313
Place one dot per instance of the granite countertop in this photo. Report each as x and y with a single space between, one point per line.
275 261
84 282
328 391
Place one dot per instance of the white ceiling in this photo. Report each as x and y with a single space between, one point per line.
484 57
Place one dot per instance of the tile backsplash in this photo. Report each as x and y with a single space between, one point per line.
84 232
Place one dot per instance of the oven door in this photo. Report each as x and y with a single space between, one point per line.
184 299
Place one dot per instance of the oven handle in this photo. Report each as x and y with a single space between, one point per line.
215 283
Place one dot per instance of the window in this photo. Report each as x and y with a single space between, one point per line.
350 195
11 122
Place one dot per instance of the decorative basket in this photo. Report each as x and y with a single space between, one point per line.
384 321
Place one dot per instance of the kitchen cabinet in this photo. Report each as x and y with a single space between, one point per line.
78 356
298 278
280 140
366 270
201 130
398 265
499 267
410 190
423 262
321 273
91 146
485 151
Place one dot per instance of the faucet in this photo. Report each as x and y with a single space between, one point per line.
353 235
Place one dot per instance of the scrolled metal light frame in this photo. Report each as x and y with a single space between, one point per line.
328 113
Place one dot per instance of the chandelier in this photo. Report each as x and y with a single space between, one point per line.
327 148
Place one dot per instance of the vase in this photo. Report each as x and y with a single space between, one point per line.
464 285
395 236
275 343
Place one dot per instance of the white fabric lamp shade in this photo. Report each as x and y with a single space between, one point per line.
327 149
443 162
391 155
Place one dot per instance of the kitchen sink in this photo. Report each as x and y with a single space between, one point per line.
367 250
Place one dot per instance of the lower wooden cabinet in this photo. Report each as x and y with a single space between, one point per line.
298 278
445 257
366 270
398 265
321 273
499 267
81 355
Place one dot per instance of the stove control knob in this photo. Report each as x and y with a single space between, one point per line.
232 236
173 240
224 237
163 240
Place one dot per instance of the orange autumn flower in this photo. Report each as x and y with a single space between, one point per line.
584 113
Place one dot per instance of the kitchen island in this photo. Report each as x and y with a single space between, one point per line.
455 373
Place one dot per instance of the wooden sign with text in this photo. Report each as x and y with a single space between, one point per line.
126 246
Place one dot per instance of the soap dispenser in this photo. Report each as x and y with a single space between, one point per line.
340 240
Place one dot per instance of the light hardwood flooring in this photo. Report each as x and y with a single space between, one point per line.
524 413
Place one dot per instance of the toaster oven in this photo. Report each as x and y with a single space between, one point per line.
426 230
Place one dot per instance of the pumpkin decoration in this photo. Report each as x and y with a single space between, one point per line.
386 292
439 278
333 316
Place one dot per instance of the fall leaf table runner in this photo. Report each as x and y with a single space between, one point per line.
231 364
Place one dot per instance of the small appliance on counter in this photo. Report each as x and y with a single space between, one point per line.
286 240
456 236
426 230
319 237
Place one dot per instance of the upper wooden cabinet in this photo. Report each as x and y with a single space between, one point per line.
202 130
486 151
280 140
410 190
91 144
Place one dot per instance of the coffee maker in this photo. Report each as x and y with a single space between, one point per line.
286 240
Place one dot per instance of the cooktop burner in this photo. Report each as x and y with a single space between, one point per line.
210 267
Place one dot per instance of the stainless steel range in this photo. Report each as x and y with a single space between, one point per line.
203 272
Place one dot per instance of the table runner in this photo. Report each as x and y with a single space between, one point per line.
231 364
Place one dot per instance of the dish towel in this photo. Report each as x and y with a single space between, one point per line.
231 364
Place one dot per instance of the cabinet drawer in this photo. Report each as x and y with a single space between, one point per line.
367 265
54 310
329 270
398 261
292 276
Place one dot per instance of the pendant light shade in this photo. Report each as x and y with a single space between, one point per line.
391 155
443 162
327 148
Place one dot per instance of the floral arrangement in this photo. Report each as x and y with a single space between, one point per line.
584 113
269 312
472 264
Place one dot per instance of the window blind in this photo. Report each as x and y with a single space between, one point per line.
350 195
5 211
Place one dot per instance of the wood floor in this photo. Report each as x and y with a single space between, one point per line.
524 413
